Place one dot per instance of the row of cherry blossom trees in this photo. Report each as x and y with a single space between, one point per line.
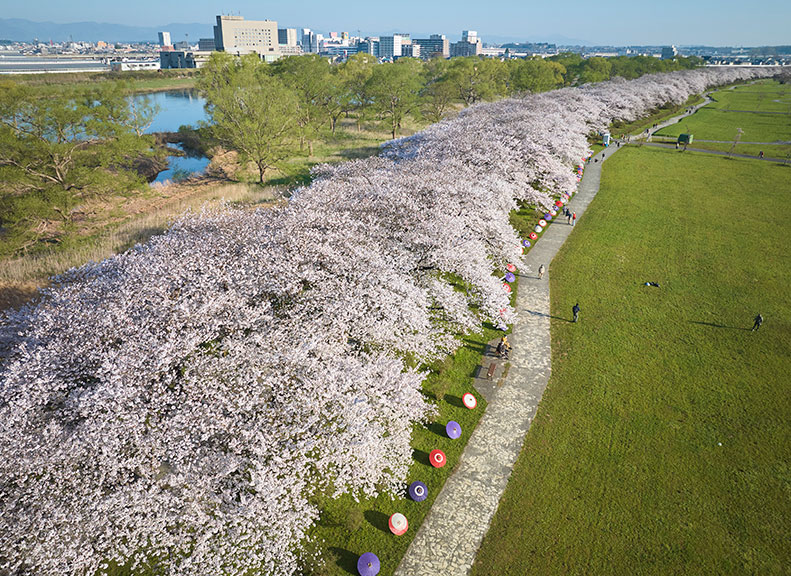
178 403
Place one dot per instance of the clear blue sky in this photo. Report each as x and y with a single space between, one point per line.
618 22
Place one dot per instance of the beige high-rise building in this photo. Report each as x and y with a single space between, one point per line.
235 35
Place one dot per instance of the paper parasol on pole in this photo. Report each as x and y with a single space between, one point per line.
509 277
510 267
542 222
398 524
453 429
469 400
526 243
533 236
418 491
506 287
368 564
538 229
437 458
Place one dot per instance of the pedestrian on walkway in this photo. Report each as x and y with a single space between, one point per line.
568 216
540 271
573 218
576 311
757 324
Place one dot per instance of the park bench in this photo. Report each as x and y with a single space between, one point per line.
490 372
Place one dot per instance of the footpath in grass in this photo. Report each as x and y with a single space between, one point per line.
662 444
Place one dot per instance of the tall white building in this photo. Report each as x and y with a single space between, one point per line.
287 36
164 39
390 46
238 36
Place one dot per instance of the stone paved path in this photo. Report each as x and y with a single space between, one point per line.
448 539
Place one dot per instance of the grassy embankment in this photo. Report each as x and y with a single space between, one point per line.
762 110
662 444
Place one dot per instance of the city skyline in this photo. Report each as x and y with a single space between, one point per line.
608 22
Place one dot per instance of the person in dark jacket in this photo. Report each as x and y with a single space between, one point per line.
757 324
576 311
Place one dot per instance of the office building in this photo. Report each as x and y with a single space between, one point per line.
410 51
287 36
235 35
183 59
669 52
390 46
369 46
434 44
311 42
206 45
164 39
470 45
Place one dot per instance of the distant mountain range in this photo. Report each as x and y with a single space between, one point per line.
19 30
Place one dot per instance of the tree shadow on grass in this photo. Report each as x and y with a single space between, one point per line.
378 520
437 429
542 315
346 561
475 346
713 325
421 457
454 401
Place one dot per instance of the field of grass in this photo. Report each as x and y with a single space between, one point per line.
659 115
662 444
764 96
719 120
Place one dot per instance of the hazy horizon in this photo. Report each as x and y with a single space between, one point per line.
607 22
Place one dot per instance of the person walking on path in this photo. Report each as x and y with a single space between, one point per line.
541 271
576 311
568 216
757 324
573 218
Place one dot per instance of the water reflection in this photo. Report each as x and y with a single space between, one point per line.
177 108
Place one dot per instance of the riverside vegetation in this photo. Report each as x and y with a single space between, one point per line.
56 207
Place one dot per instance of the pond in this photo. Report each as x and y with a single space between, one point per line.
177 108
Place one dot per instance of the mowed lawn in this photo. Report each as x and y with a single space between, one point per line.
662 444
762 111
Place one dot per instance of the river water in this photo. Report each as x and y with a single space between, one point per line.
177 108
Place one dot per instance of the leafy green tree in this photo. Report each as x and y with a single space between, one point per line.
308 77
535 75
476 79
252 112
572 62
395 89
355 74
438 93
59 149
595 69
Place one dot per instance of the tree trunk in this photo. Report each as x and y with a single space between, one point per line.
310 148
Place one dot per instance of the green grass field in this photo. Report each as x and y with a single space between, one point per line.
736 108
764 96
662 444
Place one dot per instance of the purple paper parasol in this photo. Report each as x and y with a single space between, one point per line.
509 277
453 429
526 243
368 564
418 491
547 216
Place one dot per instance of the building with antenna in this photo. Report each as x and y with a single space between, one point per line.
235 35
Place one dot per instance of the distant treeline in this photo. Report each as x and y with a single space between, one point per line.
263 111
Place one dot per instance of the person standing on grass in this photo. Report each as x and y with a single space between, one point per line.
757 324
576 311
540 271
573 218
